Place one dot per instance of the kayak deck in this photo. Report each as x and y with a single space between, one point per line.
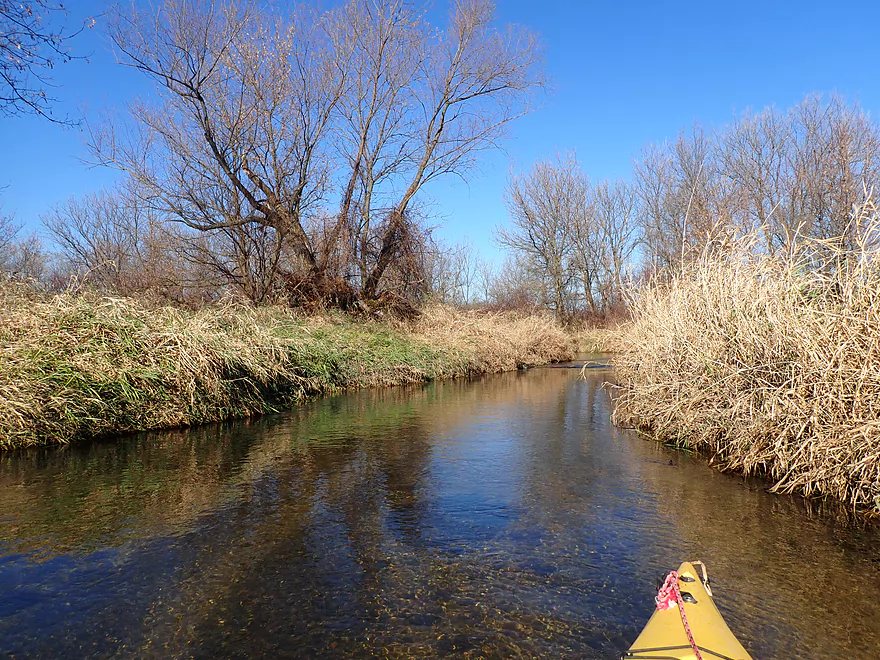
664 635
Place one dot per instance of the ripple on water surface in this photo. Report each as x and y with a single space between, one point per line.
503 517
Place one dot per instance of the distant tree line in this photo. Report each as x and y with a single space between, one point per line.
285 156
781 176
574 239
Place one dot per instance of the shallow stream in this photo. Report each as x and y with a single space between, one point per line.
499 518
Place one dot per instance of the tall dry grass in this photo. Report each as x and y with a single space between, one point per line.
77 366
495 341
769 364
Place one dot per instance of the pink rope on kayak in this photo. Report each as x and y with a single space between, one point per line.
670 595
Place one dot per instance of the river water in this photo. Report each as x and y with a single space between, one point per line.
499 518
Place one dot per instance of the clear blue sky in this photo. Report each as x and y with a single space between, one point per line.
623 75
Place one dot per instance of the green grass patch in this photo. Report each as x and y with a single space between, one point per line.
82 366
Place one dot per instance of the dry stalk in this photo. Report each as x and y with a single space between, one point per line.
770 364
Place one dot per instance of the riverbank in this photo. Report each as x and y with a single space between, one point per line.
769 365
83 366
604 339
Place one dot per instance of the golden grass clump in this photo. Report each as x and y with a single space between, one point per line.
77 366
771 364
495 341
600 340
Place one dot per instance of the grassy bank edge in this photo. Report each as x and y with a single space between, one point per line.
766 366
74 367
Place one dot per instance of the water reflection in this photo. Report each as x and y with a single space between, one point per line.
499 518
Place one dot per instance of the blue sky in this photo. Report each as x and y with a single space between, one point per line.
623 75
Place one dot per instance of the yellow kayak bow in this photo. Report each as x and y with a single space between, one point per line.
686 624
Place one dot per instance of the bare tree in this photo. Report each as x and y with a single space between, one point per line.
545 206
8 231
459 275
473 82
113 241
800 173
300 141
685 203
614 213
517 285
467 262
573 234
753 153
234 149
20 258
836 153
791 175
96 235
587 250
381 44
31 44
486 275
28 259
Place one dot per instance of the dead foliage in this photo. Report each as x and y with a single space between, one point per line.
770 364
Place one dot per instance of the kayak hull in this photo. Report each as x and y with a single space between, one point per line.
664 635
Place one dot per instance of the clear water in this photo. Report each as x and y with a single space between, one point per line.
500 518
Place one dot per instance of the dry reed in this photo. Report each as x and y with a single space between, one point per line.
78 366
495 341
769 364
600 340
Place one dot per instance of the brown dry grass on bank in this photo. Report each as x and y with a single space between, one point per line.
496 341
77 366
769 364
601 340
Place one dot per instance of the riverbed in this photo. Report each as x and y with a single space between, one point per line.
503 517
